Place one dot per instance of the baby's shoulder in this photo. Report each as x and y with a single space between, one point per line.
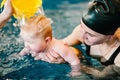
60 45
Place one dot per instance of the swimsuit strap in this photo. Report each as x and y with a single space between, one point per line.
88 49
112 58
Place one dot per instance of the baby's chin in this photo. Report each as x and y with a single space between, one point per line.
87 43
39 51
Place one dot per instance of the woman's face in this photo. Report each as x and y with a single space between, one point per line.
91 37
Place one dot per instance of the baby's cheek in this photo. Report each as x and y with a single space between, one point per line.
35 49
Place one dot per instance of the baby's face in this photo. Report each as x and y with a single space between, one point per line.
32 43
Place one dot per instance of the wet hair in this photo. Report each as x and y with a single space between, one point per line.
39 25
117 33
102 17
117 4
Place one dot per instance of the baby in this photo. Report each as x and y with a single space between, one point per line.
37 36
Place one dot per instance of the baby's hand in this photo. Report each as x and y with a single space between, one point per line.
24 51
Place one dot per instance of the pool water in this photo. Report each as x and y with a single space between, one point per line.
66 14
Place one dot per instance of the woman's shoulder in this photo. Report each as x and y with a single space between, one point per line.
95 51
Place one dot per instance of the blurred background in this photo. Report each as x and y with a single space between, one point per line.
66 14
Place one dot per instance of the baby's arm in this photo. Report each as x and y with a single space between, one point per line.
75 70
74 62
69 56
24 51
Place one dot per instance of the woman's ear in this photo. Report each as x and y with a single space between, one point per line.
111 39
48 39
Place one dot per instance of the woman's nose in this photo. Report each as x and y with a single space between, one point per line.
85 35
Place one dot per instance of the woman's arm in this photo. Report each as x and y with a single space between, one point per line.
108 72
74 38
6 14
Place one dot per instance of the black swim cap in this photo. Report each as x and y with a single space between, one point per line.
102 17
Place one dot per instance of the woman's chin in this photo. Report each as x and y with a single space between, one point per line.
88 43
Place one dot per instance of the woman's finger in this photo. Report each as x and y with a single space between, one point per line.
61 60
47 59
51 57
54 53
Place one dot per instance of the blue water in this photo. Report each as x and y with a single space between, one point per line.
66 14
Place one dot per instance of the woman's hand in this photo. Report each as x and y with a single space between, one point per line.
51 57
8 9
6 14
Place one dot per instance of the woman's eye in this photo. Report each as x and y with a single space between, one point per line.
91 35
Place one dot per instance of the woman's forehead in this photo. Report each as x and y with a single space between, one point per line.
88 30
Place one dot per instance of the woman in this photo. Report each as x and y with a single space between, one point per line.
97 28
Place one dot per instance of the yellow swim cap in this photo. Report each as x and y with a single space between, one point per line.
24 8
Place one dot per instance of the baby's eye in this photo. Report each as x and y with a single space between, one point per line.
31 42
